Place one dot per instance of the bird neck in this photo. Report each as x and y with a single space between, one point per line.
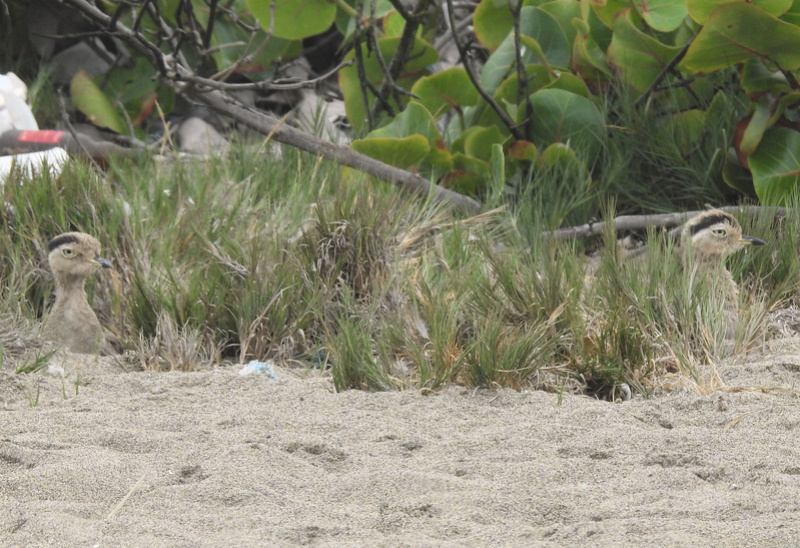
69 287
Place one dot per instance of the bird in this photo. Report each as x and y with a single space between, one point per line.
73 257
712 236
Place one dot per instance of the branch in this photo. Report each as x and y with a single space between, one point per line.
266 124
642 222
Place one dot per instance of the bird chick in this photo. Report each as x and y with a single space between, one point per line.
73 257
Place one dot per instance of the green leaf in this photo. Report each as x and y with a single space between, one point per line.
701 10
564 117
402 153
422 55
588 60
736 176
758 124
416 120
294 19
444 90
662 15
492 21
757 79
544 35
90 100
607 10
226 32
522 152
776 166
478 144
346 23
564 11
471 164
638 57
737 32
564 159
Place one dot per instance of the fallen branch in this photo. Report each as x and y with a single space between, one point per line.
643 222
263 123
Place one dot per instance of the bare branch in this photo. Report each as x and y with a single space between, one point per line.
643 222
266 124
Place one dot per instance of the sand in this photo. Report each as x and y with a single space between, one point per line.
213 459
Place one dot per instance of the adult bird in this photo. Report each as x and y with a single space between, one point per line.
73 257
710 237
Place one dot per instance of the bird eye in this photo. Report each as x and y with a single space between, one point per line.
67 252
719 231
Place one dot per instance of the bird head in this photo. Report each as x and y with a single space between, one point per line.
75 254
715 234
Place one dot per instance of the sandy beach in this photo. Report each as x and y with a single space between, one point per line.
112 456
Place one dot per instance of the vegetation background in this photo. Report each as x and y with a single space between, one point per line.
281 256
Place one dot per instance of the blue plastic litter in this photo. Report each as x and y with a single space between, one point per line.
256 366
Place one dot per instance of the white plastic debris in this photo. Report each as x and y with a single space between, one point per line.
34 162
255 366
15 114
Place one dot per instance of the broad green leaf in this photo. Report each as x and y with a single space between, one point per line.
444 90
226 32
522 151
471 164
492 21
638 57
564 11
459 143
346 23
538 78
402 153
422 55
662 15
588 60
479 143
757 79
569 82
787 100
793 14
416 120
550 43
394 25
739 31
294 19
776 166
90 100
607 10
736 176
564 117
563 158
463 182
758 124
701 10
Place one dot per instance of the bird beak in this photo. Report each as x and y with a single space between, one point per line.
102 262
750 240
